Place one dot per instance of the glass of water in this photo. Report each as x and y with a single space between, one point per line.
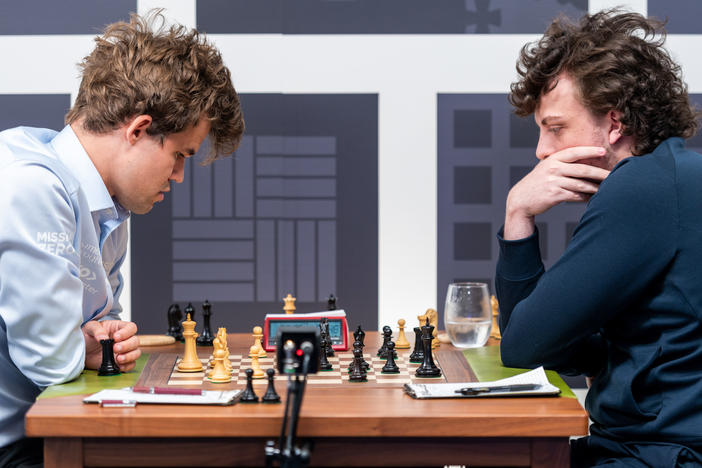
467 315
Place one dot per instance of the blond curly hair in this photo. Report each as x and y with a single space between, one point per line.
169 73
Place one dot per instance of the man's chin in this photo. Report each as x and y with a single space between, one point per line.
142 209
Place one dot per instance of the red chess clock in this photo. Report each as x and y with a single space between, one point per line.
338 329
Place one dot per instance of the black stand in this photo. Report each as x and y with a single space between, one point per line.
288 454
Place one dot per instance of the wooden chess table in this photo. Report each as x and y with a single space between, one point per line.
351 424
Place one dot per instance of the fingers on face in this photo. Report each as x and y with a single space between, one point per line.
579 171
576 153
580 186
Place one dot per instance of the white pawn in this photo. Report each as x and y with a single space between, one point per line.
220 374
255 366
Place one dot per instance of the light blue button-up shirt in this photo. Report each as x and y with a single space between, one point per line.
62 242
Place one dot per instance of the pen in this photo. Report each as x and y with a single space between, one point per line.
497 389
168 391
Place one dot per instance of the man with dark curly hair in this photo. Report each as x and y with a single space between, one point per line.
623 305
148 98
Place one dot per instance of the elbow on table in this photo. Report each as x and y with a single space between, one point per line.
519 353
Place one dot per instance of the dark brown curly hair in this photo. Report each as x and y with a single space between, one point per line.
171 74
618 62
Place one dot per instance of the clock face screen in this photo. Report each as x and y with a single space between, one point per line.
274 325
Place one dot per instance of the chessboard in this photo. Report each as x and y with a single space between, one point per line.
161 371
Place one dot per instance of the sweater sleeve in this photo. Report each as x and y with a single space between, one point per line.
625 239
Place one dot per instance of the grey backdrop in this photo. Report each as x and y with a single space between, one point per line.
295 211
382 17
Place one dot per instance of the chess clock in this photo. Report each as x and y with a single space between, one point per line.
338 328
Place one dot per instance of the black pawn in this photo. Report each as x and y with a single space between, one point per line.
324 363
428 368
206 338
359 335
364 364
189 309
417 355
108 366
387 337
270 396
383 348
174 317
249 396
331 302
357 374
328 350
390 367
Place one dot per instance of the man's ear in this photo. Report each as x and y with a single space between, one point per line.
616 129
136 128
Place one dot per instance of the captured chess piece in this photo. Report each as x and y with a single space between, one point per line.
417 354
402 342
331 302
428 368
205 339
249 396
108 366
270 396
495 333
174 317
190 361
289 307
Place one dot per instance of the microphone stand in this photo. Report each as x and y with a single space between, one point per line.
289 455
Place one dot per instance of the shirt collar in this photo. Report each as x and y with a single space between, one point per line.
73 156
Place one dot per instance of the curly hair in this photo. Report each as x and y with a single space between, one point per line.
618 62
171 74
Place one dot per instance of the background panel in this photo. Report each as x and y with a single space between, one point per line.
301 223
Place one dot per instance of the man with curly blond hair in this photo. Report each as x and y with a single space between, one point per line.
148 98
623 305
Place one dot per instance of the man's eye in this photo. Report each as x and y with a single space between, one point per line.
555 130
180 155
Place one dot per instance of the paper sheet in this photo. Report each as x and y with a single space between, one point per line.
210 397
448 390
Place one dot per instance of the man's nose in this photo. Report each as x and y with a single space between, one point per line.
178 173
542 149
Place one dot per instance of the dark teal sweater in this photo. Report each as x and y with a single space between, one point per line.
623 303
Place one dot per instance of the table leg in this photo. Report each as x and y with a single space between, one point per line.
62 452
550 452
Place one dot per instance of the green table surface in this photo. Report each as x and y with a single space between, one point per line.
487 366
88 382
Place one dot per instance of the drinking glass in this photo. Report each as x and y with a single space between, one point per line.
467 315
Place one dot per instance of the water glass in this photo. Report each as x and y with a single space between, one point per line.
467 315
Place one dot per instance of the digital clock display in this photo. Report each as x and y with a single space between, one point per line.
337 327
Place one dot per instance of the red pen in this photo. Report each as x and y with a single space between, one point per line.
168 391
